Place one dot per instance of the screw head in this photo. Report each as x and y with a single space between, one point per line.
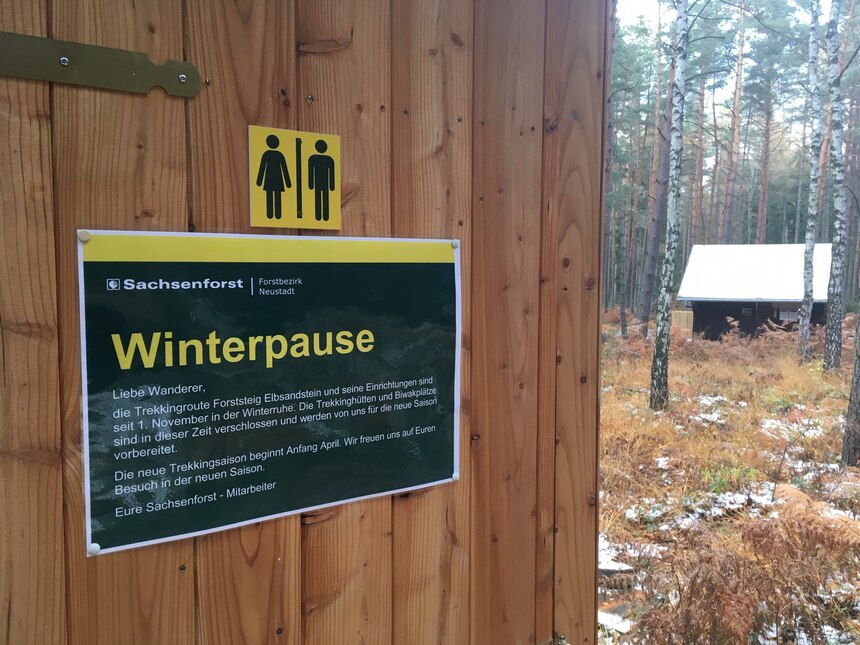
183 78
64 61
309 98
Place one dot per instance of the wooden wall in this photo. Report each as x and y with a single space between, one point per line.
475 119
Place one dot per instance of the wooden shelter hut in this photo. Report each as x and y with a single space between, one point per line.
751 284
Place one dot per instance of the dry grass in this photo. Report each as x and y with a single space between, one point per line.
739 482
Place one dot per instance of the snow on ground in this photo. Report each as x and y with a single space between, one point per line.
613 622
684 514
606 554
785 433
792 431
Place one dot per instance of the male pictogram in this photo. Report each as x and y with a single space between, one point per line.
273 176
321 179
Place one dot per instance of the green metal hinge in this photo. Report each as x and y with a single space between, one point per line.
44 59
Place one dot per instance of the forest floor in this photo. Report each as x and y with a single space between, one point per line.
727 518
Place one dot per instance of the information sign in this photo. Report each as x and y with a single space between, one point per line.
232 379
294 178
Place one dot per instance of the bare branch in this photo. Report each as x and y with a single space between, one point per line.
760 21
695 40
696 17
848 64
709 72
620 89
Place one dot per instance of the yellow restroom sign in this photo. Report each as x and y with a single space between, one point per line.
294 178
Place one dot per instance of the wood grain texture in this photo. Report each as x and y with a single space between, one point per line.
120 162
344 85
246 53
506 197
572 194
344 69
32 570
455 120
250 584
431 72
249 579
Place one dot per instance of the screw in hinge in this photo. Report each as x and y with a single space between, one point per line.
64 61
183 78
561 639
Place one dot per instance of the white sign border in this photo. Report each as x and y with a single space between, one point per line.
85 235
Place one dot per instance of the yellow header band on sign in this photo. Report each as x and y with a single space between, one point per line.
118 247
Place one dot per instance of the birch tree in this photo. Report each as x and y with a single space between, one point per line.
814 177
660 361
657 222
836 285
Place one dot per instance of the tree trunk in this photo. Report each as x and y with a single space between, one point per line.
814 179
851 439
609 144
735 138
743 231
698 180
660 360
713 207
856 281
800 177
633 237
761 222
824 229
634 176
850 179
655 142
657 222
836 284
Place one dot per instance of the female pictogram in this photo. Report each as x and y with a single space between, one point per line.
273 176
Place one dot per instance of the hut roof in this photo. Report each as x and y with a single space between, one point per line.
753 273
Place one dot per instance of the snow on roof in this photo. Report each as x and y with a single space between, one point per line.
753 272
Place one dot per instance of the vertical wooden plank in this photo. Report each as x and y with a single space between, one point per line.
344 75
120 162
32 570
249 579
509 55
571 259
431 73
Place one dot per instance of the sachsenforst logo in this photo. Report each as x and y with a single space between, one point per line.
131 284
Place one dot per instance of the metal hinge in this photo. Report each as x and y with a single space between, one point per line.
560 639
45 59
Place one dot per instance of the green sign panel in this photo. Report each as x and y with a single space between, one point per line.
230 379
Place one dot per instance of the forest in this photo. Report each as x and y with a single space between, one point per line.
747 130
729 478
